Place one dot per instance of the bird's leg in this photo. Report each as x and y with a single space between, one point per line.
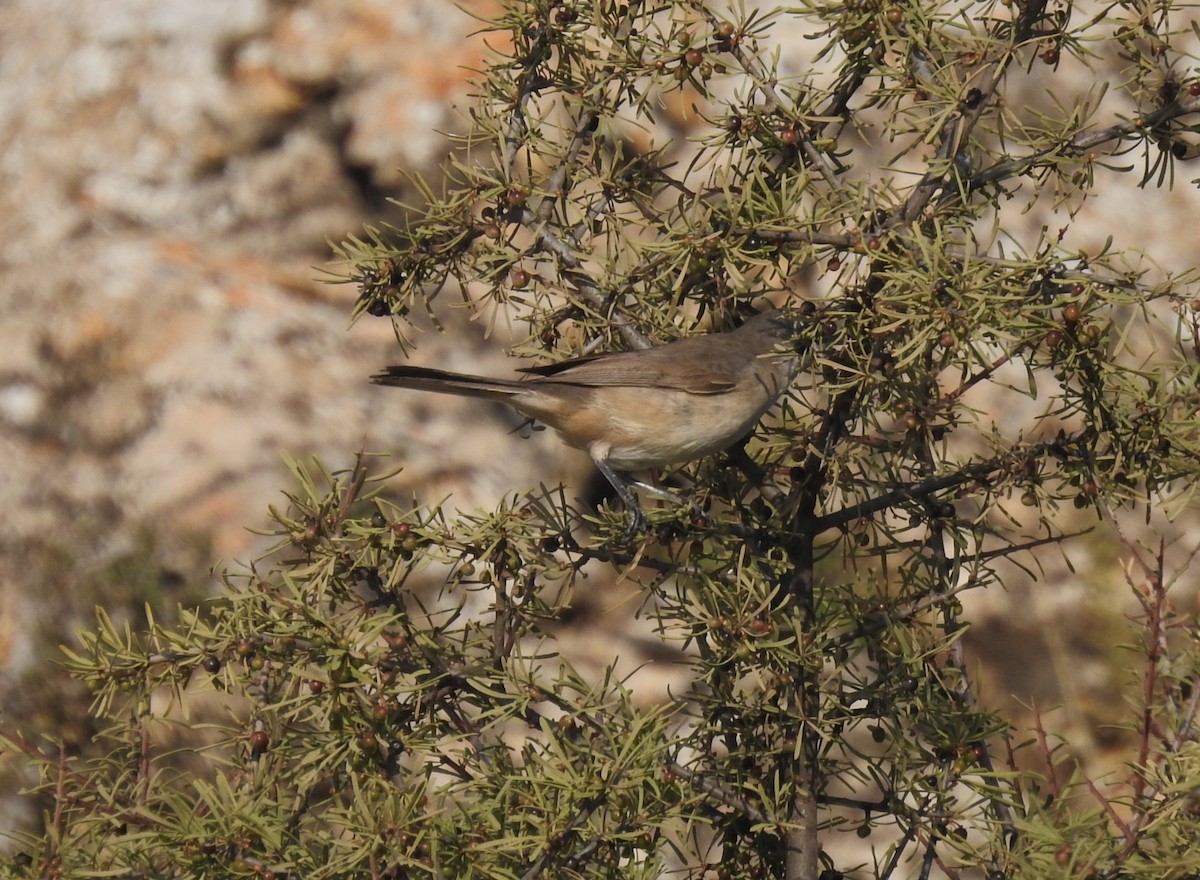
637 519
656 491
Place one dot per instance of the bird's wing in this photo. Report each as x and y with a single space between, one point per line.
652 368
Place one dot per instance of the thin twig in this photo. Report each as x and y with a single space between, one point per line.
718 792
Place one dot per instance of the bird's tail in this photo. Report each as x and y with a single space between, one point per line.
443 382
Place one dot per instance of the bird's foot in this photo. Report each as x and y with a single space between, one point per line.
636 521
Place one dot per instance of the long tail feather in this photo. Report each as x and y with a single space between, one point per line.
444 382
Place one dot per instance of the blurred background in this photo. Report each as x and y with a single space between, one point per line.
173 172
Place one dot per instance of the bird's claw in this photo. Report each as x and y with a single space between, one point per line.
636 523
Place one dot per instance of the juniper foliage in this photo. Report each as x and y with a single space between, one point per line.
977 392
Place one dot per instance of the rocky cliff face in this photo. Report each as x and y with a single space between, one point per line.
172 175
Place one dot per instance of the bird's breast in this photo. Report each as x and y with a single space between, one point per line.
637 428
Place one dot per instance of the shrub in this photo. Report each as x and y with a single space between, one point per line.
975 392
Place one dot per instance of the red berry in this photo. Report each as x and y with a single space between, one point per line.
367 741
758 626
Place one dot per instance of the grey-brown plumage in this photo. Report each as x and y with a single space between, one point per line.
643 409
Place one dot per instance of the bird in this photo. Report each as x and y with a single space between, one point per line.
648 408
